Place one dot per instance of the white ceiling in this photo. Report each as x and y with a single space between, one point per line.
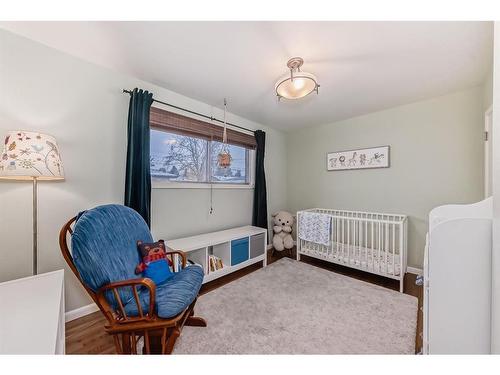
362 66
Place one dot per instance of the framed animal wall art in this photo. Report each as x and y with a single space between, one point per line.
363 158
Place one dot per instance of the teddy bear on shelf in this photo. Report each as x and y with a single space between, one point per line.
282 228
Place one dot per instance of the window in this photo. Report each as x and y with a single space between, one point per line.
180 158
189 154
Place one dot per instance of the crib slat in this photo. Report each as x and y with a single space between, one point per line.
343 238
348 241
386 248
337 237
379 244
360 243
393 249
343 241
353 246
371 245
355 241
330 246
366 242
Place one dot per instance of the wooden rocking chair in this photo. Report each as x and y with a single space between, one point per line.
148 317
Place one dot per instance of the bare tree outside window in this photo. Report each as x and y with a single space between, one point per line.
189 155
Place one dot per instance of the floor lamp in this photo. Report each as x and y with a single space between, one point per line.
31 156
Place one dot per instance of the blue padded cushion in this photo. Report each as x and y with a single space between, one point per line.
104 247
173 296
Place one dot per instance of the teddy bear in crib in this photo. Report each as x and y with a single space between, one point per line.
282 228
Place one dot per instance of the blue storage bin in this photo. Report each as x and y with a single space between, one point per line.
239 251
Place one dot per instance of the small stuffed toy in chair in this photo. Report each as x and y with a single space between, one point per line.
155 265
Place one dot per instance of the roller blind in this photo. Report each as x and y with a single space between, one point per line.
161 119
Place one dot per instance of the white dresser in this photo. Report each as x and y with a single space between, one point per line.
32 315
457 280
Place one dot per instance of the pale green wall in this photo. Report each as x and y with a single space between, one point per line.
436 158
82 105
488 90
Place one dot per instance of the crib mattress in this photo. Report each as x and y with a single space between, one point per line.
356 256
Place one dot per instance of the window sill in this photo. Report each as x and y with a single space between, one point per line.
196 185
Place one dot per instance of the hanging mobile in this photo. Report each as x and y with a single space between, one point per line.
224 158
211 211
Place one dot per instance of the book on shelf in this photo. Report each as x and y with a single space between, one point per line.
215 263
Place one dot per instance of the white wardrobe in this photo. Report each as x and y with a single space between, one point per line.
457 280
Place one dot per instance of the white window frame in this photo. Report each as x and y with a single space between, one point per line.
157 183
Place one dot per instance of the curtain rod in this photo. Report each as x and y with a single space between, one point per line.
195 113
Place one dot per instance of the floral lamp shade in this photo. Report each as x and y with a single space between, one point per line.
28 155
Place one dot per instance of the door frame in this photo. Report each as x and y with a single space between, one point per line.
488 128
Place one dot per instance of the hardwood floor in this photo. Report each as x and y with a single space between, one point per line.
86 335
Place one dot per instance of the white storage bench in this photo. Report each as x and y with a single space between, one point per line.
237 247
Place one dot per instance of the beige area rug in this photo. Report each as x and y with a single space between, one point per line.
291 307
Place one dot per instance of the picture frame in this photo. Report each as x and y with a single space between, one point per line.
362 158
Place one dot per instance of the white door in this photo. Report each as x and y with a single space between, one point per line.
488 159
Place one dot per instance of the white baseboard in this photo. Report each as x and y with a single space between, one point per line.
81 311
414 270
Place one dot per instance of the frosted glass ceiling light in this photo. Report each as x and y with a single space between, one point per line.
298 84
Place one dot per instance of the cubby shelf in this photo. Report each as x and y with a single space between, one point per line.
237 247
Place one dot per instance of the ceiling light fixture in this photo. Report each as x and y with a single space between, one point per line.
298 84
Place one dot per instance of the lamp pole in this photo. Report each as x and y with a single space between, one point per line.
35 226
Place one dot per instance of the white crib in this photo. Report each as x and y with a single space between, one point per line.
368 241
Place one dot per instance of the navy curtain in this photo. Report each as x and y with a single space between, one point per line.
138 174
259 218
